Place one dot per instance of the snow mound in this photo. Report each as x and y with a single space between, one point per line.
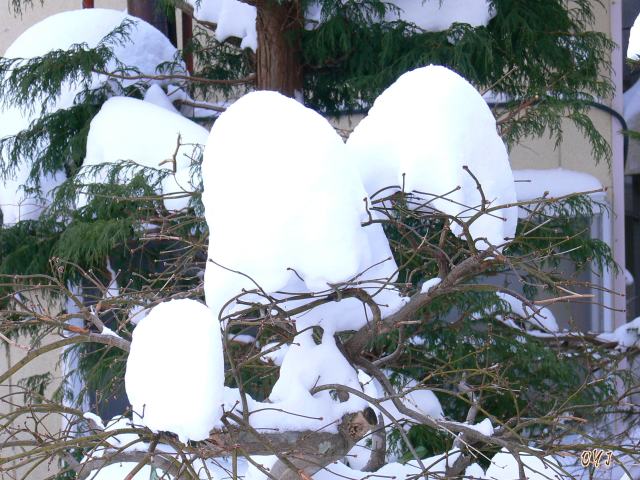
412 138
145 49
555 182
627 335
504 466
175 370
298 207
142 132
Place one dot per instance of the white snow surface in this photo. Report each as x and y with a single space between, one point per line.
627 335
554 182
504 466
421 400
632 117
175 369
237 19
232 18
146 49
274 352
412 138
292 185
142 132
538 318
628 278
436 15
633 50
157 96
474 471
429 284
434 467
484 427
118 471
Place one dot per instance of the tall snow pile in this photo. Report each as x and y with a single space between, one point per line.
234 18
421 133
285 212
145 49
149 135
175 370
298 205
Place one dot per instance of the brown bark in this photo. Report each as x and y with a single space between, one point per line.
278 60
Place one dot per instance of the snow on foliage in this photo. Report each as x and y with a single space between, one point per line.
175 370
145 49
627 335
504 466
552 183
436 15
306 365
633 50
234 18
293 187
118 471
411 138
148 135
537 317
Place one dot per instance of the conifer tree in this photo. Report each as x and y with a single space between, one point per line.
110 244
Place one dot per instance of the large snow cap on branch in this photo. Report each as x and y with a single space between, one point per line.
438 15
283 203
144 133
421 132
175 369
232 19
145 49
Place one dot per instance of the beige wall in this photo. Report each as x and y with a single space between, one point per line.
16 428
574 152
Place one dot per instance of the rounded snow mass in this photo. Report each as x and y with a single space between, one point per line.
432 132
175 370
145 49
285 209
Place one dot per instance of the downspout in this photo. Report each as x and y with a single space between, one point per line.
617 172
88 3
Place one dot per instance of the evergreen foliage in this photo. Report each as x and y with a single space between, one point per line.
349 59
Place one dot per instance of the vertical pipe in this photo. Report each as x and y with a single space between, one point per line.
187 35
617 170
148 10
87 4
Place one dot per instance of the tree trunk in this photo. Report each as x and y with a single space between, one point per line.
278 62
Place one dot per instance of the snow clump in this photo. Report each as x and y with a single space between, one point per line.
145 49
175 370
411 138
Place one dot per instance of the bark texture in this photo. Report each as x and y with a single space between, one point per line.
278 60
